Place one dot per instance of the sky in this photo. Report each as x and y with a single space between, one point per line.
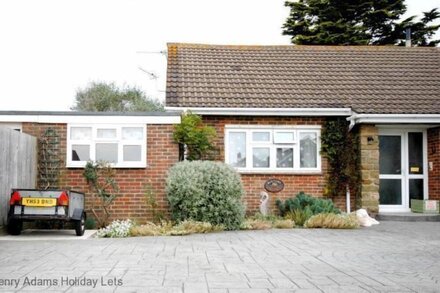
51 48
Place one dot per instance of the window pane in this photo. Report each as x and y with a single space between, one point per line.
308 150
260 136
284 157
80 152
132 133
284 137
237 149
132 153
107 152
81 133
390 191
106 133
261 157
390 154
415 189
415 152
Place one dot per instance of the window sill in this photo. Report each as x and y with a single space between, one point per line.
114 167
280 172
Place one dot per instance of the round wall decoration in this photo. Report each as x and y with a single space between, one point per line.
274 185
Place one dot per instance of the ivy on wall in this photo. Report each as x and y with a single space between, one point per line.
341 147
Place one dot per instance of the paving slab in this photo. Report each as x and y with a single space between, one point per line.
390 257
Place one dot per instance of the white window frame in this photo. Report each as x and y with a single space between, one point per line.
118 140
295 144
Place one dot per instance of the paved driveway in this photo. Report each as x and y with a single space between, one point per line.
391 257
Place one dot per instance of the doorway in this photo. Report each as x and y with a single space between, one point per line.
402 168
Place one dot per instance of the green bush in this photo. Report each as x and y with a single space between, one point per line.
206 191
303 201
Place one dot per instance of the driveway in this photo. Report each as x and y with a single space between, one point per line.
391 257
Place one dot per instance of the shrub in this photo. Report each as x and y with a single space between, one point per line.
332 221
303 201
116 229
206 191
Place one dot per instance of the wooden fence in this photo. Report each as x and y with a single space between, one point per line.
18 165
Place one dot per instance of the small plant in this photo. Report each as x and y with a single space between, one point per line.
332 221
151 202
299 216
206 191
302 200
100 177
194 138
116 229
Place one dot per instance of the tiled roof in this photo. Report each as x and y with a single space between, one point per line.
368 79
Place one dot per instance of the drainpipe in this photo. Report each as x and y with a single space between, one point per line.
347 200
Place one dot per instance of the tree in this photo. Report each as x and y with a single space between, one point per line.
356 22
104 97
194 137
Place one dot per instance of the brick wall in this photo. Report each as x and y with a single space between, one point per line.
162 153
254 183
434 158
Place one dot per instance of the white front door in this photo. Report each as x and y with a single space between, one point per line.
402 168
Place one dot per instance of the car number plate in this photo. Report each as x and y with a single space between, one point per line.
38 202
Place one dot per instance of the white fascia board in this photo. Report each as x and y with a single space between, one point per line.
91 119
394 118
265 111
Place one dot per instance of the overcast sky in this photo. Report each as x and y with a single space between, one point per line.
50 48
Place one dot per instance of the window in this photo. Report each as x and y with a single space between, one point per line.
122 146
273 148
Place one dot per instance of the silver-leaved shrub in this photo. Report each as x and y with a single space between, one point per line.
206 191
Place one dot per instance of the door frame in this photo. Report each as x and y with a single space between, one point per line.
405 174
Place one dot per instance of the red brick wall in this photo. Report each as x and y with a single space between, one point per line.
434 158
162 153
254 183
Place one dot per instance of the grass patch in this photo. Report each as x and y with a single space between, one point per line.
261 222
168 229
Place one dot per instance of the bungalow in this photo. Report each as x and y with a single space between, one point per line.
268 105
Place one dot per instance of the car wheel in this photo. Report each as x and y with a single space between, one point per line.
80 225
15 226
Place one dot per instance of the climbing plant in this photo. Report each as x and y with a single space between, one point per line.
101 179
341 148
49 161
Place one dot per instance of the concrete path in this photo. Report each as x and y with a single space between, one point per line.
391 257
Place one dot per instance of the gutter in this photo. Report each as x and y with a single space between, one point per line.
265 111
393 118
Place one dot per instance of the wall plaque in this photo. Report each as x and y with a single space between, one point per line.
274 185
